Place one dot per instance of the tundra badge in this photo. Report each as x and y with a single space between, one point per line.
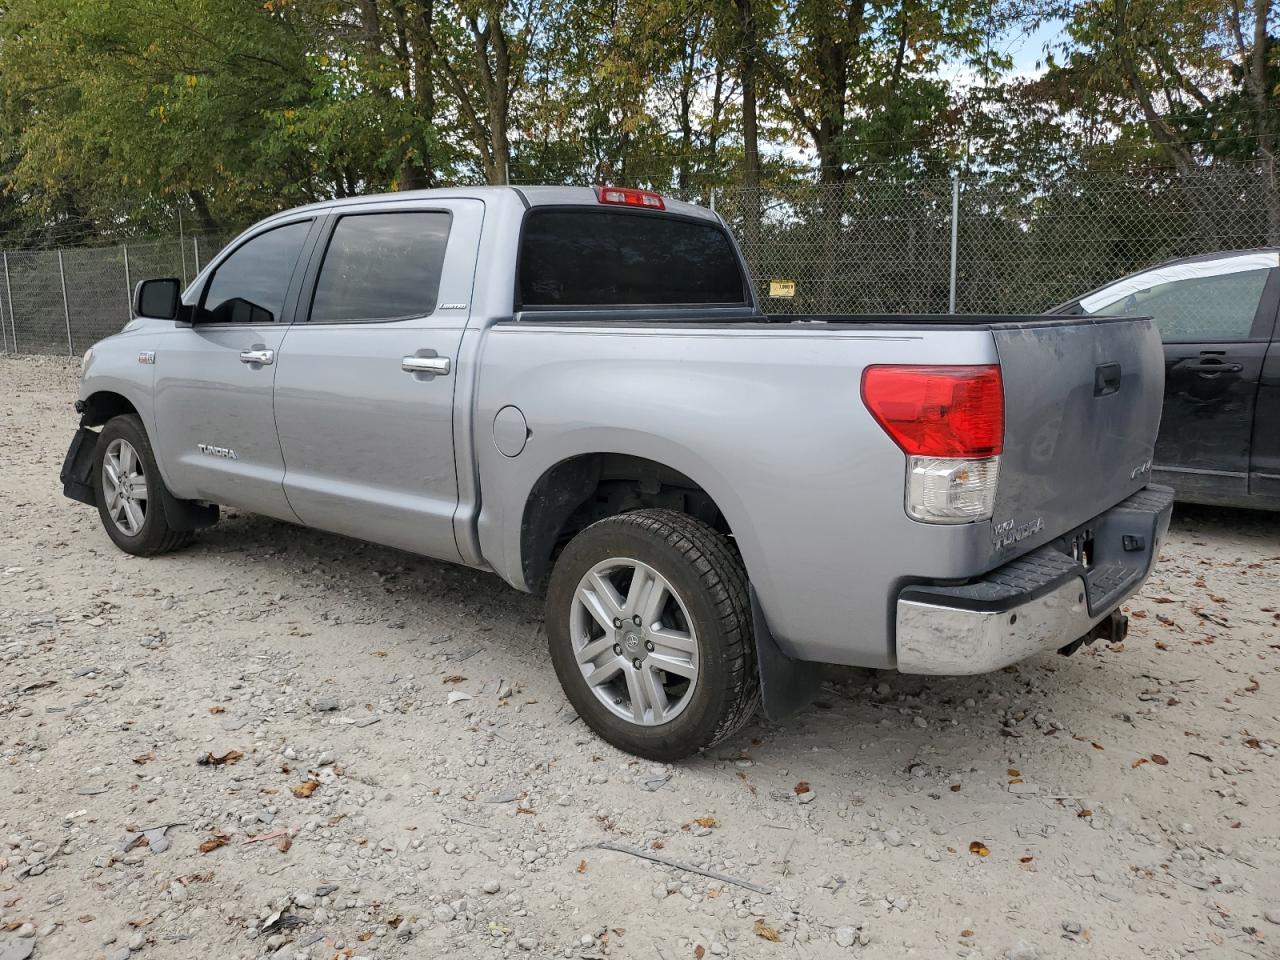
1008 532
226 453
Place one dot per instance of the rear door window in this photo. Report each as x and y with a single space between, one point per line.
382 266
1205 308
576 258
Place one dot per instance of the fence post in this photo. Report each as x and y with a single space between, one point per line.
4 332
8 290
182 247
955 237
66 307
128 285
713 199
195 246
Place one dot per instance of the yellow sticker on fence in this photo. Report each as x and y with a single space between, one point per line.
782 288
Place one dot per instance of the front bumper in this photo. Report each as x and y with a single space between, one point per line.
1044 600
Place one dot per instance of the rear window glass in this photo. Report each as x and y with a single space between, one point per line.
572 258
382 266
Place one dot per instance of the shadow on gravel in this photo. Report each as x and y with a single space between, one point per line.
1192 519
883 720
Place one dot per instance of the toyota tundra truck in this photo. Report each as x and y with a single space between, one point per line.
577 389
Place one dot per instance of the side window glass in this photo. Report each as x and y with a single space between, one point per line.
1198 308
382 266
250 285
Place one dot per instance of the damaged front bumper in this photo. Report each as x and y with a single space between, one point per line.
1048 599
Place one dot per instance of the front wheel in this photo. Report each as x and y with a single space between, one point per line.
649 626
128 488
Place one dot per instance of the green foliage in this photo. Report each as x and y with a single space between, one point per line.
117 117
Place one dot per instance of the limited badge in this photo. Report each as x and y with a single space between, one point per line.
782 289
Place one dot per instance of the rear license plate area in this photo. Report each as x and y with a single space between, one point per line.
1080 546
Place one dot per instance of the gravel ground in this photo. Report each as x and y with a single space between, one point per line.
280 742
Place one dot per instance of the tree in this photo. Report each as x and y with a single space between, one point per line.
1195 80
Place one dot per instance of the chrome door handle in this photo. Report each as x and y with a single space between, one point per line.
258 356
438 366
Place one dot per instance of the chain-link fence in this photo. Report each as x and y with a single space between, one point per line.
976 244
986 244
63 301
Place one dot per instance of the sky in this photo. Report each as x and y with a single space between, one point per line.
1027 48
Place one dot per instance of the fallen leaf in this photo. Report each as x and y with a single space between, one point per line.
1254 743
455 678
378 653
209 760
582 867
955 788
801 787
966 933
707 822
766 932
285 843
1161 645
1137 763
1084 813
145 758
367 935
214 842
1096 745
305 789
658 844
1157 758
1026 859
980 848
1014 772
215 710
699 952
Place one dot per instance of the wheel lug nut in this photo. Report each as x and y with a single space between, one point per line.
636 619
648 645
636 663
617 621
617 649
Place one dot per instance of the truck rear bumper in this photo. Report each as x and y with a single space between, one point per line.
1044 600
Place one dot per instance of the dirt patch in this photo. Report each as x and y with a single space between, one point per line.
255 746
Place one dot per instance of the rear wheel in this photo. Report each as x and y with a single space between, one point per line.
128 487
649 626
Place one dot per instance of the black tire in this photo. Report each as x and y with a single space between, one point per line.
154 536
710 580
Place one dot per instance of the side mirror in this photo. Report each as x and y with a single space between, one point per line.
157 299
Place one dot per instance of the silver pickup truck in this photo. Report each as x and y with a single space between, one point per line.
577 389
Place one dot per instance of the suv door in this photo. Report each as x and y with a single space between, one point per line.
365 384
214 376
1215 317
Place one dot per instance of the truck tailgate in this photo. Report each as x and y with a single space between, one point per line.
1082 407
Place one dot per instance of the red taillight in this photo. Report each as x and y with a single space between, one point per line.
938 411
630 197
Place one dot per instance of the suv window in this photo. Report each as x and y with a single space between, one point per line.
250 285
1197 308
572 258
382 266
